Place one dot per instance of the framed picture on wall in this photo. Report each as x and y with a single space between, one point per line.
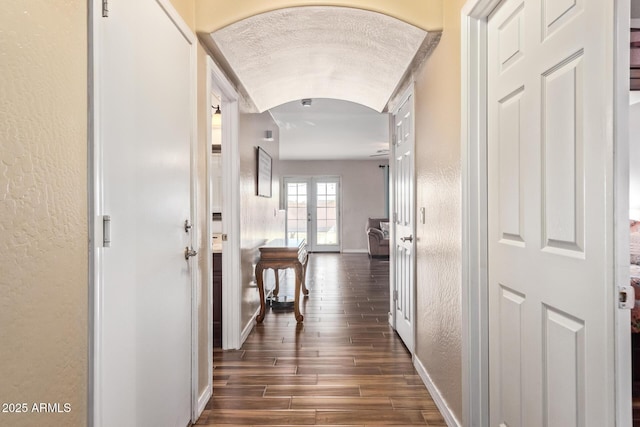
263 167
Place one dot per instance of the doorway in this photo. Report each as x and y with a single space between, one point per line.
312 205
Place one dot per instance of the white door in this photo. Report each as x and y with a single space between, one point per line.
313 212
551 341
144 129
403 251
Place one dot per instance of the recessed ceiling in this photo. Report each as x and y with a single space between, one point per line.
330 130
319 52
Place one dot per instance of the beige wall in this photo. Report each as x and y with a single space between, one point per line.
362 193
259 216
43 209
187 10
437 96
211 15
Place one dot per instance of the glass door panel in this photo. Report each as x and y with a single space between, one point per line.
297 212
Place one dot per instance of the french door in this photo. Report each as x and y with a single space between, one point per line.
313 211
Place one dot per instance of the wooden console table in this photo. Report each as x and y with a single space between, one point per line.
281 254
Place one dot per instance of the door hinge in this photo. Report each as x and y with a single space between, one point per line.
224 238
105 8
106 231
626 297
395 295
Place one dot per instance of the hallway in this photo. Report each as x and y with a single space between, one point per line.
343 366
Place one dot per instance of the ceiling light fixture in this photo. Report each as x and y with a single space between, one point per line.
306 102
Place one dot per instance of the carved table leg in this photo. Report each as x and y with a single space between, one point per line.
276 291
304 275
299 280
260 282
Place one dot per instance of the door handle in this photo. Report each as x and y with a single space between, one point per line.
189 252
407 239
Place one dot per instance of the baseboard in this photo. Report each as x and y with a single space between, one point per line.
444 409
204 399
355 251
249 327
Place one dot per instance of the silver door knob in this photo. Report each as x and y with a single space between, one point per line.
407 239
189 252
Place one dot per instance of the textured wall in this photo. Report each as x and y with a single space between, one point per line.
438 188
211 15
43 209
362 193
259 217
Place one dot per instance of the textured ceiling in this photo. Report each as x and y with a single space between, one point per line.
319 52
330 130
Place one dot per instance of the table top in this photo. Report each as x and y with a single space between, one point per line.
292 244
283 249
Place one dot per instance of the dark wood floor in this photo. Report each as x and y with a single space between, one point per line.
342 366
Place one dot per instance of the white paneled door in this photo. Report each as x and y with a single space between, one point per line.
144 117
403 252
551 351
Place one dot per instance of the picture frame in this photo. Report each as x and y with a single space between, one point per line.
263 169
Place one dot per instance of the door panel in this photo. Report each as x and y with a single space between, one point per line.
325 220
296 194
403 218
550 288
144 131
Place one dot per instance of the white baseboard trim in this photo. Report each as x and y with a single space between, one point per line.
444 409
355 251
249 327
204 399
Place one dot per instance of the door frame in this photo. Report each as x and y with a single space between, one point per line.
231 271
475 331
96 203
408 93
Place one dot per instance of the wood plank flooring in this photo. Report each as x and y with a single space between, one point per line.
343 366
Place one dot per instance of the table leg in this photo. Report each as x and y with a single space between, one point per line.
276 291
304 275
299 278
260 282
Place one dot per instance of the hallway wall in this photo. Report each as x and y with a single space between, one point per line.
438 188
43 210
259 216
362 193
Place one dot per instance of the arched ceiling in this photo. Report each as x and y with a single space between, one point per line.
319 52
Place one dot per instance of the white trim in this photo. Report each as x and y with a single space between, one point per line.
231 271
94 414
204 399
475 331
355 251
249 327
621 79
436 395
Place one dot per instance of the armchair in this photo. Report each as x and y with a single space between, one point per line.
377 241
